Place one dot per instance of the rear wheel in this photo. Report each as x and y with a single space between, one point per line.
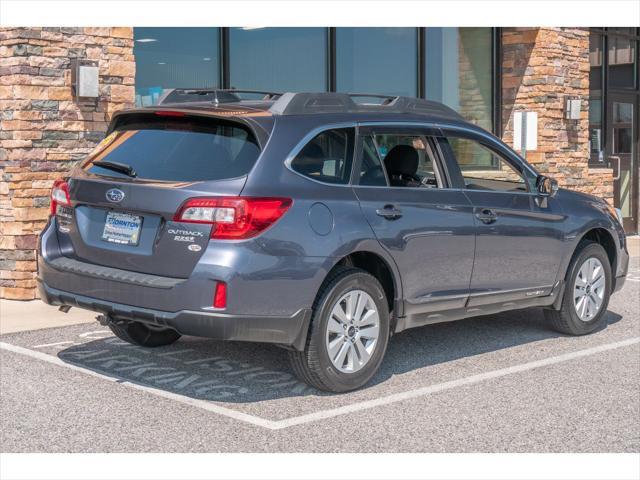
586 295
349 333
138 333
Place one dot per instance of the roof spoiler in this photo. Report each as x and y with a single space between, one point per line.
331 102
213 95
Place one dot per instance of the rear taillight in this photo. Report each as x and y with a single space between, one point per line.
59 195
220 295
233 218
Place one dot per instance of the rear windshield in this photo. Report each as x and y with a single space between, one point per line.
180 149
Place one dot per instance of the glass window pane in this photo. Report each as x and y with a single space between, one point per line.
483 169
596 145
458 71
278 59
371 172
377 60
176 150
622 58
328 157
174 58
595 60
408 160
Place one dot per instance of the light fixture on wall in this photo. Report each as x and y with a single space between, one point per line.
146 40
572 107
84 79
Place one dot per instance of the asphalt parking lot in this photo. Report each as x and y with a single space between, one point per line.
502 383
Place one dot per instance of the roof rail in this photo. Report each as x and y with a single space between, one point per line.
332 102
214 95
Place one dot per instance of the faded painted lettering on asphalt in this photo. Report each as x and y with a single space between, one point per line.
207 378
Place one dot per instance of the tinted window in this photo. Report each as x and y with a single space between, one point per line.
400 169
458 71
328 157
279 59
182 151
483 169
174 58
379 60
371 170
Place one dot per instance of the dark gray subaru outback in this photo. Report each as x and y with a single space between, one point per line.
323 223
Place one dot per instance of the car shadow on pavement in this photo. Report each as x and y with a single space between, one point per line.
235 372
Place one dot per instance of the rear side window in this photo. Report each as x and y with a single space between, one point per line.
182 150
328 157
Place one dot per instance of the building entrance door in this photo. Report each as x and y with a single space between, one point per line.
622 123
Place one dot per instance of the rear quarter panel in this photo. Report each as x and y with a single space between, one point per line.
323 225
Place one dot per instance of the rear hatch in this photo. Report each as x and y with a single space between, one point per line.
125 196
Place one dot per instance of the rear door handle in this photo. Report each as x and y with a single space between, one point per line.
487 216
389 212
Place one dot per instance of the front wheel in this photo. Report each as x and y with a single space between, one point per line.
349 333
586 294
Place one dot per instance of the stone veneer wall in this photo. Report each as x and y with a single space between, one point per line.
45 131
540 66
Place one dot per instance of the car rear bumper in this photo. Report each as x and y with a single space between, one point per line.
289 331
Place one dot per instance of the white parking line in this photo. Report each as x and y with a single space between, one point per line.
334 412
44 345
203 404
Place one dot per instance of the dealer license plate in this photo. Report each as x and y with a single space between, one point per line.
122 228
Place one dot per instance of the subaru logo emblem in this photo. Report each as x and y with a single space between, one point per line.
115 195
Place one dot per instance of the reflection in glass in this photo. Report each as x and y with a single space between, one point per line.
174 58
483 169
278 59
377 60
622 58
458 71
595 61
623 122
595 130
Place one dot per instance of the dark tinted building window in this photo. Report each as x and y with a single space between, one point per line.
328 157
377 60
622 61
174 58
596 134
458 71
278 59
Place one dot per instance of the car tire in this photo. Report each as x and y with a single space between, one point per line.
573 318
138 333
340 356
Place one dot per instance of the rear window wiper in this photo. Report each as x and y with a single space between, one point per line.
116 166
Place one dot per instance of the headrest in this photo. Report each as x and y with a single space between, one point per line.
403 160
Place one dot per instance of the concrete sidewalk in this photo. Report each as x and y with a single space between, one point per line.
17 316
633 245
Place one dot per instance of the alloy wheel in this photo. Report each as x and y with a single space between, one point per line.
589 288
352 331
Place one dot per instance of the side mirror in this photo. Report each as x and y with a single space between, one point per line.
546 186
